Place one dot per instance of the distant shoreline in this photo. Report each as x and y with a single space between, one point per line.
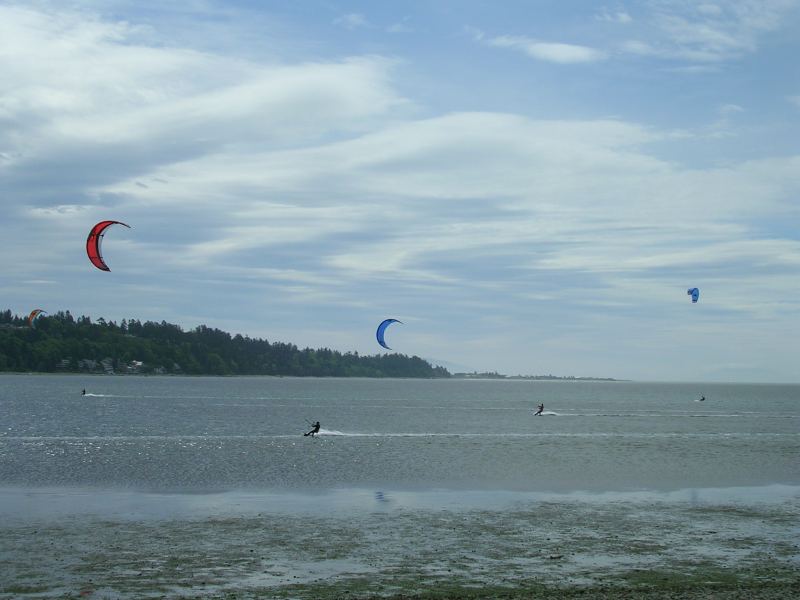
546 379
452 378
231 376
501 377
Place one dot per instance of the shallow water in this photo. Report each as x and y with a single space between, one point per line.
215 434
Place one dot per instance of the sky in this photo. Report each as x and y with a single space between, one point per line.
529 186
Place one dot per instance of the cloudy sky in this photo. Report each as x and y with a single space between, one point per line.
531 187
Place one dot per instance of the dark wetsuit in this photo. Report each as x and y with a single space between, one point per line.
541 409
314 431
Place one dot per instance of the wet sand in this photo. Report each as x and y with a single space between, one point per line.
561 547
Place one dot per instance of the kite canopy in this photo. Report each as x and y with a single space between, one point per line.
95 241
382 329
34 313
694 293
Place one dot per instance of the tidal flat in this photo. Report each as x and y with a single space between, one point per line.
618 546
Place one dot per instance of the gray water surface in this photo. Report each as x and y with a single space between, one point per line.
209 434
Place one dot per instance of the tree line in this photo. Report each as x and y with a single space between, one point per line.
61 342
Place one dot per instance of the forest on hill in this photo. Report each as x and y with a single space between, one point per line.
63 343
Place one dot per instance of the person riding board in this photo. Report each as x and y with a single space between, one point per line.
314 430
539 411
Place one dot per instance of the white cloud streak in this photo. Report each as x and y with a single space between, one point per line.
548 51
351 21
707 33
401 26
554 52
620 17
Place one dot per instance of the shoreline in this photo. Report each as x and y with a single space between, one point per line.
450 378
343 378
27 502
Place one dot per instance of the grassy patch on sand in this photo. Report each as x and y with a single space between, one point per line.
25 589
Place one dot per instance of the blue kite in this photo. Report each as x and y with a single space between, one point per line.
382 329
694 293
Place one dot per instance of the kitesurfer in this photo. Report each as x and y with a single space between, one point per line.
539 411
83 393
314 430
702 398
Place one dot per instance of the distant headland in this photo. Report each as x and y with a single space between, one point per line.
62 343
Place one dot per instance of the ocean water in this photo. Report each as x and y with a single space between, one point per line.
209 434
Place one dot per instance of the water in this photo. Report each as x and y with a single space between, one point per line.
170 434
201 487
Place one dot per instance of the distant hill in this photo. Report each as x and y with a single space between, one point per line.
62 343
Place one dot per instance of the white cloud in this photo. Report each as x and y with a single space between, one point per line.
549 51
694 69
707 33
730 109
704 35
546 51
60 210
77 91
427 201
401 26
475 33
620 16
724 126
638 47
351 21
709 9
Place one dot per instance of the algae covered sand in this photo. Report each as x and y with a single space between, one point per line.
553 547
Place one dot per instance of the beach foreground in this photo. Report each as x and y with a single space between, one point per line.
564 547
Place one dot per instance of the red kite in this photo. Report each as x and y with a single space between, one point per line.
35 313
95 240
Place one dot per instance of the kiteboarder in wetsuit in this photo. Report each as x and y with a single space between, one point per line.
538 412
314 431
83 393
